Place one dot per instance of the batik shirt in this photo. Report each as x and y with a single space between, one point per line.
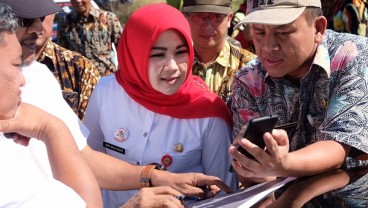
219 74
92 36
331 102
76 75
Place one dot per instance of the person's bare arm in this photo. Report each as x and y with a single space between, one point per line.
67 163
125 176
276 160
112 173
302 192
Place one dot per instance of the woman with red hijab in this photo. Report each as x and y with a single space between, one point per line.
153 110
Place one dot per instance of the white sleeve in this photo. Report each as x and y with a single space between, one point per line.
43 90
92 119
24 185
216 159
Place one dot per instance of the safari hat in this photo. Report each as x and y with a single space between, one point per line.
213 6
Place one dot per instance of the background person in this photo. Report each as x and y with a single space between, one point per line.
305 74
91 32
170 116
216 60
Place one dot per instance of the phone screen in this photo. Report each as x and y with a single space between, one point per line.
255 130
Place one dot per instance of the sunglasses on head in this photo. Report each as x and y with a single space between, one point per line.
25 22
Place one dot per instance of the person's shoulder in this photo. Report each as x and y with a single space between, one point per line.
252 70
101 12
36 66
108 80
71 16
73 56
335 41
335 38
242 54
109 13
38 71
66 53
108 87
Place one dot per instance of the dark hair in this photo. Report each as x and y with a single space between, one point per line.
8 21
311 13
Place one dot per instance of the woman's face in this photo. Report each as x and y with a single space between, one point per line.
168 62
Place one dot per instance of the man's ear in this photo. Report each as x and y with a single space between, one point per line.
320 25
229 18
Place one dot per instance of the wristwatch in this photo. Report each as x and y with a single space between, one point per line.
146 173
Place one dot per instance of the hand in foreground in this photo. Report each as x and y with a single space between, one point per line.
17 138
268 163
152 197
190 183
30 121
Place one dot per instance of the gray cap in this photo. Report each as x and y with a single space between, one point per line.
33 8
276 12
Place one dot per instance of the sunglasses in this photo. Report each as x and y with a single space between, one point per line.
25 22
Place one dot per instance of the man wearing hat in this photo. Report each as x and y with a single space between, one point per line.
216 60
305 74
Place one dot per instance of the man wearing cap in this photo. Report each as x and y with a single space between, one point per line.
42 90
216 60
305 74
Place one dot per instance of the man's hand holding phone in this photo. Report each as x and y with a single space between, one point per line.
268 154
255 130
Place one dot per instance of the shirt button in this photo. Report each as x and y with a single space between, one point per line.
145 134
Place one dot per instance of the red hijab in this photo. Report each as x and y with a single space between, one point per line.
193 99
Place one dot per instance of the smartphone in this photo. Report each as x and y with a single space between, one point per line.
255 130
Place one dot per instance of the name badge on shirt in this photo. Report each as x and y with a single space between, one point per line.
114 148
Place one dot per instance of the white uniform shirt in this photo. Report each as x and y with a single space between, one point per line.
147 136
24 184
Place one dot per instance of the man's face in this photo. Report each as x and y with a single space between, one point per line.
81 6
45 35
209 29
27 37
286 49
11 78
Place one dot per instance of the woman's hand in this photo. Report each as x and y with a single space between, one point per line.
155 197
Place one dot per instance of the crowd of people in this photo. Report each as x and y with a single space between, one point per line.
165 119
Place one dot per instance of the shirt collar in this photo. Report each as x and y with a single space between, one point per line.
93 12
322 59
222 58
48 52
